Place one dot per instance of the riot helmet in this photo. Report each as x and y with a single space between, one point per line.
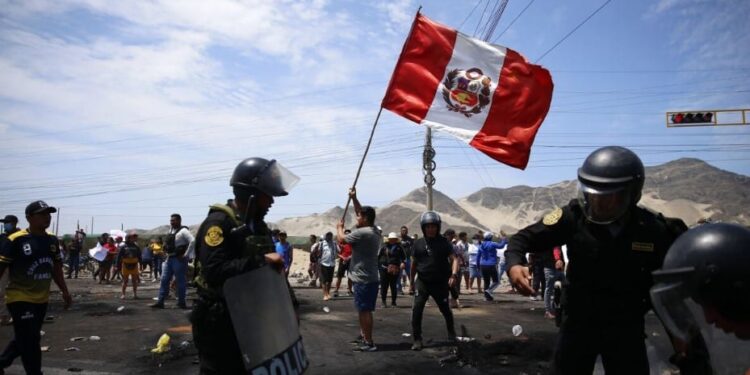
430 217
610 183
267 176
708 264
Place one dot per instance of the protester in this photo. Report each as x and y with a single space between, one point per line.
10 226
613 246
32 259
74 253
105 268
128 262
553 272
147 261
345 257
102 241
158 253
406 244
474 273
178 241
313 270
435 267
232 241
285 250
329 251
487 264
391 258
462 248
363 271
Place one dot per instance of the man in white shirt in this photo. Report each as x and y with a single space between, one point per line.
176 246
329 250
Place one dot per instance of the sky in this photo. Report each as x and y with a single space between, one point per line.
126 112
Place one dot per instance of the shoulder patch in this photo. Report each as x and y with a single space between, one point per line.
20 233
214 236
553 217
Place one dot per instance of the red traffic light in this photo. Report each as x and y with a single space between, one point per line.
692 117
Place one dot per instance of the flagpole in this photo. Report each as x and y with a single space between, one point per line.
362 162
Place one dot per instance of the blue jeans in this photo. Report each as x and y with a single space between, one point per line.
158 261
73 264
176 267
550 276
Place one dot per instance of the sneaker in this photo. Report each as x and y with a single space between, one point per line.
157 305
358 341
488 296
549 315
394 305
366 347
417 345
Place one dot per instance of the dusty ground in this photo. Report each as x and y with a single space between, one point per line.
128 335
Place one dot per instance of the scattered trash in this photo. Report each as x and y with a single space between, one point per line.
406 334
78 338
45 348
326 309
42 333
464 339
184 345
533 308
72 349
50 317
162 345
517 330
95 338
75 369
155 298
119 309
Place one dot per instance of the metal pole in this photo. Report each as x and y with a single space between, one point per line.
92 225
428 166
57 224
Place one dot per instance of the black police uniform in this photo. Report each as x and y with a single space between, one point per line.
433 267
222 254
608 280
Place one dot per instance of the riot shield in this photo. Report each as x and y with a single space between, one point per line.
264 323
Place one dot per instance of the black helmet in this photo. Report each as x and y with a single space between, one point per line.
610 182
430 217
709 264
263 175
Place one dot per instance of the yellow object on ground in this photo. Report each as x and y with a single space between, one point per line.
162 345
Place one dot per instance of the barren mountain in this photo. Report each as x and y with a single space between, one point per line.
689 189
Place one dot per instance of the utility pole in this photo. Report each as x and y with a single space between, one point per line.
428 166
92 225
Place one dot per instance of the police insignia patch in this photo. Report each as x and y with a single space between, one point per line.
214 236
553 217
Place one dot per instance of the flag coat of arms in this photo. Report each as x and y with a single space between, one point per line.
487 95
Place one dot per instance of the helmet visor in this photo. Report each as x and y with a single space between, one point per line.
603 205
670 303
275 180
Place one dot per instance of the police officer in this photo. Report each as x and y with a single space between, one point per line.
702 290
230 242
32 257
613 246
436 269
10 226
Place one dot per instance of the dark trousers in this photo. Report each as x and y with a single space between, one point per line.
27 322
538 282
456 290
73 264
439 293
213 334
621 346
387 280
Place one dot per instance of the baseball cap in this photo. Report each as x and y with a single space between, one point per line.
37 207
9 219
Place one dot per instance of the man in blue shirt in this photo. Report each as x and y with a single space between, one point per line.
487 264
284 249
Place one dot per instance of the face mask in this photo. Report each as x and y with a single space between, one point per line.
8 227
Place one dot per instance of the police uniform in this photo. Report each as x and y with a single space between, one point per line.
433 267
30 260
608 281
220 255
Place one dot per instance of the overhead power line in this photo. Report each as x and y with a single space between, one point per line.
572 31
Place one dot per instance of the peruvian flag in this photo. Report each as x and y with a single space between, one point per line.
487 95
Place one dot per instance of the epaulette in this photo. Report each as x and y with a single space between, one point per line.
20 233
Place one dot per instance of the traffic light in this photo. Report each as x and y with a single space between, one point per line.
678 118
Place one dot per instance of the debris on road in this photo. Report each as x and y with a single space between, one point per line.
78 338
95 338
517 330
72 349
162 345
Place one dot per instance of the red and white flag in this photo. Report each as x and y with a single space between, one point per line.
487 95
